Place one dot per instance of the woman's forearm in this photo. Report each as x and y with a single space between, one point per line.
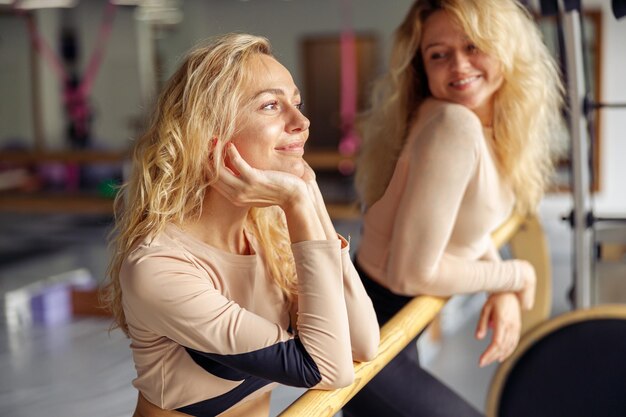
321 211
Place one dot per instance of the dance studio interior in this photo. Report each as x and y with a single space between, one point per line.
78 79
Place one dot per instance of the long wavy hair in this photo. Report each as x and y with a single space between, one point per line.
527 124
178 158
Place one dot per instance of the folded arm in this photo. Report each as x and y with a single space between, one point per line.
443 160
174 298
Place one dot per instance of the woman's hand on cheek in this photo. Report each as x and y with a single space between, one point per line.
246 186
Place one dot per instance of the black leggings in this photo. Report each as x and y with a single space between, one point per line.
403 387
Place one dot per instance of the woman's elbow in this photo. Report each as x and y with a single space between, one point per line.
364 355
339 379
417 282
343 379
365 352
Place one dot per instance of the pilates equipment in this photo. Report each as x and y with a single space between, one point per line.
76 87
572 365
582 219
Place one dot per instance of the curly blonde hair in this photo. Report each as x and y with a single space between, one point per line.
178 158
527 123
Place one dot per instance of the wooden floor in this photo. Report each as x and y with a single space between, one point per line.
77 368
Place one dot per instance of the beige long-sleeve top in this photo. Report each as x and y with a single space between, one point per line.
430 231
210 329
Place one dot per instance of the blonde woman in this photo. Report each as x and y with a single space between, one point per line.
228 276
459 134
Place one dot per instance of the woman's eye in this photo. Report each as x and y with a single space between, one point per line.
273 105
437 55
472 48
299 106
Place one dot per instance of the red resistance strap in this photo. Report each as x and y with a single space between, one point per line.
74 97
349 142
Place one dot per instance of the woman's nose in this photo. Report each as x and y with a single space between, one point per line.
460 61
298 122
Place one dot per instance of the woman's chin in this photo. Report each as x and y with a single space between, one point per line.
296 168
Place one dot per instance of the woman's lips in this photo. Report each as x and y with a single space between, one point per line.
465 82
294 147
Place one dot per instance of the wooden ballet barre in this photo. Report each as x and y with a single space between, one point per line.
394 336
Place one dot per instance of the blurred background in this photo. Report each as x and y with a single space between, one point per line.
77 82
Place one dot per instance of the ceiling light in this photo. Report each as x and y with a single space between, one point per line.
43 4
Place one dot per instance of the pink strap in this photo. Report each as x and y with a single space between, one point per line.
74 98
40 45
349 143
96 58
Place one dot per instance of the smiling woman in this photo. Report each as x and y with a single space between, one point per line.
273 131
220 225
457 71
459 135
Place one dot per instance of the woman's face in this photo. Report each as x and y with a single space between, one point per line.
271 129
456 69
